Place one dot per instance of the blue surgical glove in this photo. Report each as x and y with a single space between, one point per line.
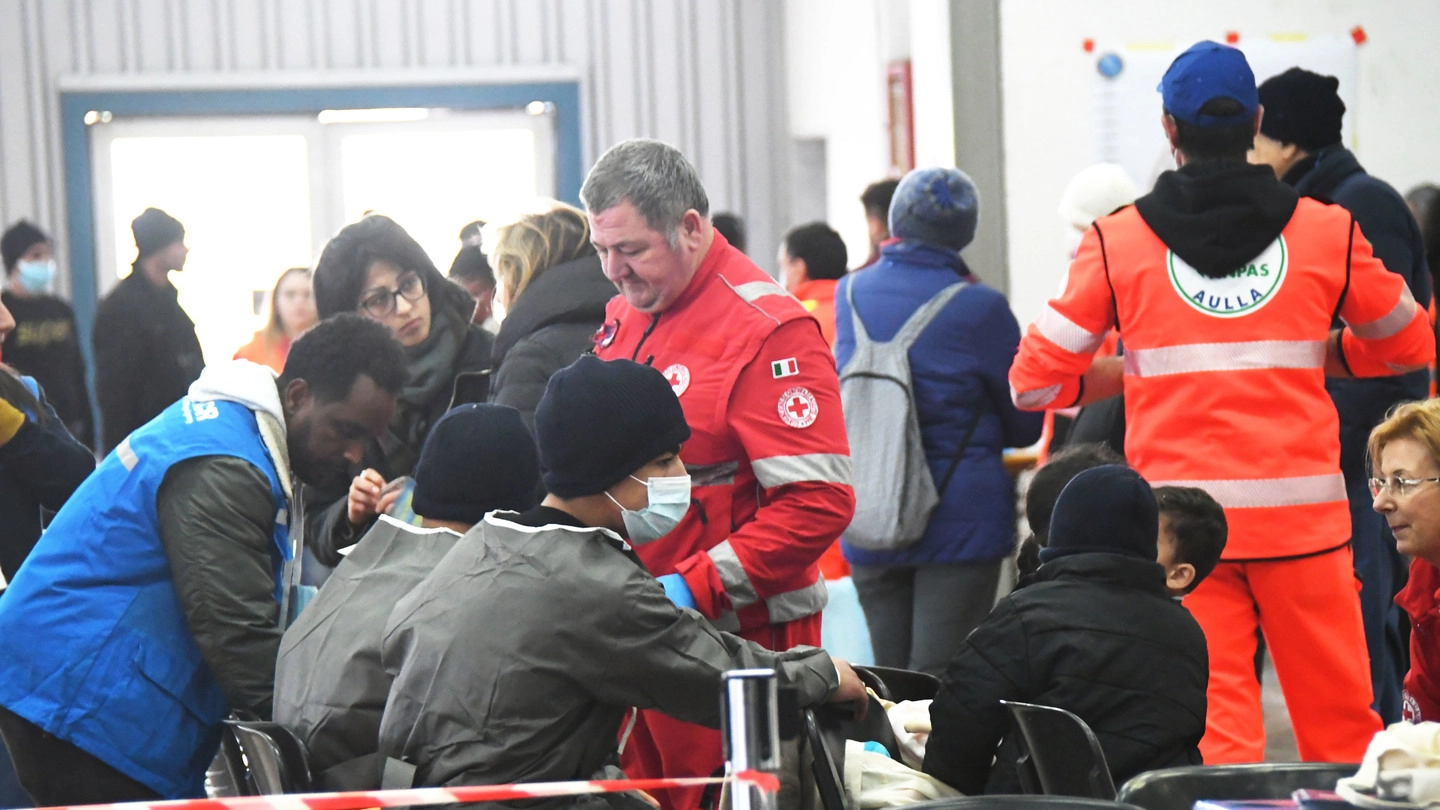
678 590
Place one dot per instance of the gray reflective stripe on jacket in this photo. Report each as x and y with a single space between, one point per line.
783 607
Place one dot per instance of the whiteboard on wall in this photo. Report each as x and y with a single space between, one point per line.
1126 109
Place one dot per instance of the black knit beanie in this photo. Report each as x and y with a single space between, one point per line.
1302 108
154 230
478 458
601 421
1106 509
19 238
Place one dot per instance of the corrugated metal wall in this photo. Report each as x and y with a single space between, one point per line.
706 75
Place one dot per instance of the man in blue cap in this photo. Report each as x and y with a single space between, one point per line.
1223 282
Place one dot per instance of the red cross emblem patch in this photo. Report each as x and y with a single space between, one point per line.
798 407
679 378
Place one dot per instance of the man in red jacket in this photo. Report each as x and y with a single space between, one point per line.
768 455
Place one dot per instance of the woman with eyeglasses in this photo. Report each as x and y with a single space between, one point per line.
375 268
1405 482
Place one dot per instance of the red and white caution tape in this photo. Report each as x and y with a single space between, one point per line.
360 799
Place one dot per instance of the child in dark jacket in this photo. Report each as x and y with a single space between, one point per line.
1095 632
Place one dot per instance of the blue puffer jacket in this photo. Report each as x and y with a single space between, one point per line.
962 357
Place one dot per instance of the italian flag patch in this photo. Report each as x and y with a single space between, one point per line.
784 368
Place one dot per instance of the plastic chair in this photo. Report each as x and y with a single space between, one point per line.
274 758
1011 802
826 765
903 684
225 778
1180 788
1059 754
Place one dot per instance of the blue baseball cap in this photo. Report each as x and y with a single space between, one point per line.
1205 71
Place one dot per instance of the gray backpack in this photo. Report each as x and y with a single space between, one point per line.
894 491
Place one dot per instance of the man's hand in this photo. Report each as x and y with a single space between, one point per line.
1334 366
364 500
851 689
1104 379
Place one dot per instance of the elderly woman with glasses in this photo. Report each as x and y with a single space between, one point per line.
1405 459
375 268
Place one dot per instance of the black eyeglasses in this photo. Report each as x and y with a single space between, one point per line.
380 303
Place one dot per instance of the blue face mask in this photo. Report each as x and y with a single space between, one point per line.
669 500
35 277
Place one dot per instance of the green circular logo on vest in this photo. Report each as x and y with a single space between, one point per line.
1236 294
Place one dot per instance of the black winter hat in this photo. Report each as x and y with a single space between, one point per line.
1105 509
154 230
478 458
601 421
1302 108
19 238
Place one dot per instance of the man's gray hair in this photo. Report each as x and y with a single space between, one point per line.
654 177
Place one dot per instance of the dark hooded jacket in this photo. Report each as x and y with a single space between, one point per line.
1095 634
549 326
1333 175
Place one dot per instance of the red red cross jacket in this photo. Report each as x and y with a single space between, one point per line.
768 453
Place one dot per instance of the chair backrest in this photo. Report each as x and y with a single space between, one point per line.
1013 802
1180 788
275 758
827 750
904 684
1064 753
225 778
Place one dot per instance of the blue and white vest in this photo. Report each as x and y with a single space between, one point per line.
94 646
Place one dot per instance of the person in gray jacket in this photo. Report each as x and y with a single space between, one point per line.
330 688
518 658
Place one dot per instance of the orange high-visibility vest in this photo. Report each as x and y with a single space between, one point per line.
1224 378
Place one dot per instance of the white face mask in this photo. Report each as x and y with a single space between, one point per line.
669 500
35 277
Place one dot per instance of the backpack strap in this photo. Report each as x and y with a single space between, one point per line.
862 337
915 325
964 443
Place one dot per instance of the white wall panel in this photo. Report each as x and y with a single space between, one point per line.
706 75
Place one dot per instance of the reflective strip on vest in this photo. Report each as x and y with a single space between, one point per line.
126 454
752 290
1259 493
1036 399
732 575
1067 334
831 468
1243 356
792 605
1393 321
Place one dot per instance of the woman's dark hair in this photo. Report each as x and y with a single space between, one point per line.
14 392
344 264
821 247
339 350
470 263
1215 143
